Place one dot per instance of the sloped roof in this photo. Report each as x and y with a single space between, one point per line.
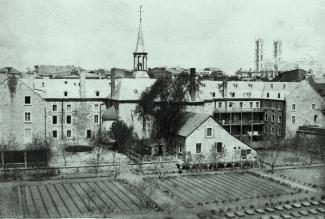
190 122
131 88
110 114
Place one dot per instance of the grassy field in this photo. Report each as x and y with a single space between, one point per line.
208 188
9 201
79 198
312 175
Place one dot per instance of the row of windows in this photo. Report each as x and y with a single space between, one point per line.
293 119
273 130
293 106
69 133
268 95
28 118
69 119
232 104
217 147
273 118
68 107
251 85
272 105
65 93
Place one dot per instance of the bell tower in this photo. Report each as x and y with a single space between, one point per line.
140 54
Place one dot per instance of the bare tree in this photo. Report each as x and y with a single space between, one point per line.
309 148
62 149
273 148
99 147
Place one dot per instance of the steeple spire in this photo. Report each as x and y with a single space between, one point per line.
140 54
140 41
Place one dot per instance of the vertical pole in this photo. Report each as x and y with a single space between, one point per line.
241 124
25 158
252 121
62 120
3 159
44 122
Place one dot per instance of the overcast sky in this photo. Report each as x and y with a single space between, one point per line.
210 33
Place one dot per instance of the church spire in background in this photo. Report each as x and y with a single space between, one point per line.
140 54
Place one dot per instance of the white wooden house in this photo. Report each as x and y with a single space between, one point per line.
201 135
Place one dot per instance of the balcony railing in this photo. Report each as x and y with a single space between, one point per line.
243 122
233 109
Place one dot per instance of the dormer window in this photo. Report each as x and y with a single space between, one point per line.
232 94
235 85
250 85
43 84
97 93
135 91
267 94
279 95
66 82
213 94
65 93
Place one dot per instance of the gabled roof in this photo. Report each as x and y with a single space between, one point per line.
190 122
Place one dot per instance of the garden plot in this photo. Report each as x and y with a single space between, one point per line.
192 190
79 198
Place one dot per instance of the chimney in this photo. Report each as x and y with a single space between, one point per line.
192 83
82 76
113 75
36 67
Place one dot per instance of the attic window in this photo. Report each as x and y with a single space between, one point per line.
28 100
235 85
271 85
213 94
232 94
65 93
284 86
250 85
267 94
97 93
43 84
66 82
135 91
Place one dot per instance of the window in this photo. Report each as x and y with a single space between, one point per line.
65 82
279 132
273 105
54 120
28 116
257 104
219 147
313 106
279 106
267 94
43 84
235 85
279 95
68 133
96 118
250 85
88 134
55 134
55 107
284 86
272 130
230 104
241 104
293 119
271 85
265 117
209 132
220 104
69 107
279 119
96 107
28 100
265 129
251 104
65 93
213 94
97 93
68 119
273 117
232 94
293 106
198 148
27 135
315 118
